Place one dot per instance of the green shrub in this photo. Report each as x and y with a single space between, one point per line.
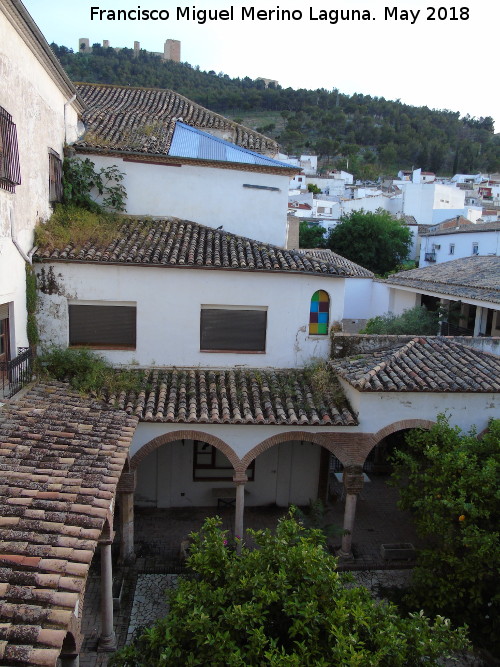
449 480
80 179
88 372
70 224
416 321
31 301
281 604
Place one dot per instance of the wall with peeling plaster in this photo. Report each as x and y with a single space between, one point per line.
35 99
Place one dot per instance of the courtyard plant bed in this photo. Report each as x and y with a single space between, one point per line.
398 551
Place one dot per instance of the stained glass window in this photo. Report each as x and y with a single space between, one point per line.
319 315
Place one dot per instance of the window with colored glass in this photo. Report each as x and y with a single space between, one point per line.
319 314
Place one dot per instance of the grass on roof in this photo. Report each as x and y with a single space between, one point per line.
73 225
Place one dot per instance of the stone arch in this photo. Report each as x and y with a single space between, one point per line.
405 424
339 444
165 438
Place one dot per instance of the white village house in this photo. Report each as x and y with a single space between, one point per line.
35 123
183 160
464 240
468 288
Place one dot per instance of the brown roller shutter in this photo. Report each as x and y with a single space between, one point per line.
233 330
106 326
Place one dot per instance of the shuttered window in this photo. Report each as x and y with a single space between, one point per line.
233 330
10 173
55 176
105 327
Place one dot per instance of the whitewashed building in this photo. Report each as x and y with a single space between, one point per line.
462 240
469 289
181 159
38 114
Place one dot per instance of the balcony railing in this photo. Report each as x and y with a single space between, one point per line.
17 372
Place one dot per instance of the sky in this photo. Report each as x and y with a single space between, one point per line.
396 52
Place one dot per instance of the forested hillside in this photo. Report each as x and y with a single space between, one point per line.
375 135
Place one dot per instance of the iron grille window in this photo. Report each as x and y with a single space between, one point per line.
55 176
233 330
103 327
10 173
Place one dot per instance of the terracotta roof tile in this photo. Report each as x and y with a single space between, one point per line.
470 277
428 364
142 120
171 242
59 466
331 257
228 396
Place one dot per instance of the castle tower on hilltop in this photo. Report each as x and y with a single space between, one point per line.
84 45
172 50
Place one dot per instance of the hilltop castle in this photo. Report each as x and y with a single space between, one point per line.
171 48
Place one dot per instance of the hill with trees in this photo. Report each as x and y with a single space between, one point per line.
377 136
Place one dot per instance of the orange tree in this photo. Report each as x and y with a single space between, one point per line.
282 604
450 481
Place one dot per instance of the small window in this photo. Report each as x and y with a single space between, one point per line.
210 464
10 173
475 248
319 314
452 248
55 176
102 326
233 329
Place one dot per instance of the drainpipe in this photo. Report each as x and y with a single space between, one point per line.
28 258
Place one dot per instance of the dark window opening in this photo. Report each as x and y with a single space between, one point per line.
211 465
104 327
228 330
55 176
10 172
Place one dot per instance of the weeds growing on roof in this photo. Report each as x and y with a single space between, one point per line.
75 226
88 372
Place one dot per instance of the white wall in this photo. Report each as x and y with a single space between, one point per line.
428 203
36 102
168 310
285 474
377 410
386 298
207 195
488 242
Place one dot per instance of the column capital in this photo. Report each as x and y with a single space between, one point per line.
127 482
353 479
240 478
106 541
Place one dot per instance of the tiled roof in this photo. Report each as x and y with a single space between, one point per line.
470 277
236 396
332 258
424 364
60 460
189 142
466 227
143 120
177 243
